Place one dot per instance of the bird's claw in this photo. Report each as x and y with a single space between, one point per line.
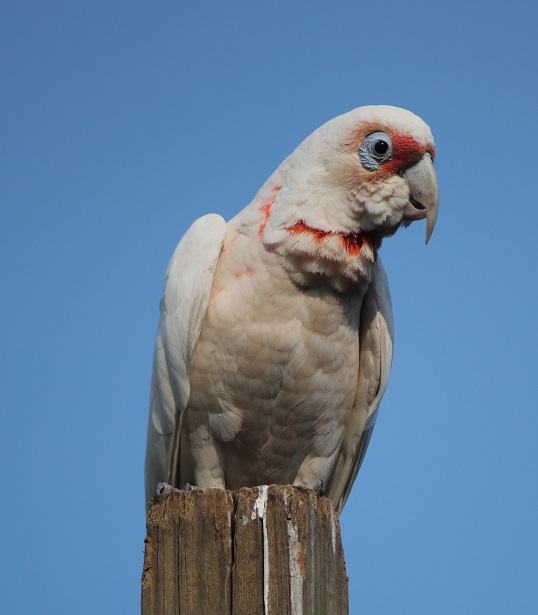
189 487
319 488
163 488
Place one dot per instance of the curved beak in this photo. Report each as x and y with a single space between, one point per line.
423 193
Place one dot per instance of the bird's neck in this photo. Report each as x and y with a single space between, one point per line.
310 255
313 256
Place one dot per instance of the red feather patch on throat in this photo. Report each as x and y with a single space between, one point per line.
352 241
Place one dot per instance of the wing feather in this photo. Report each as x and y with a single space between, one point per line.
188 283
376 336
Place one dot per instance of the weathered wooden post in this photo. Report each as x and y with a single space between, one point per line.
262 551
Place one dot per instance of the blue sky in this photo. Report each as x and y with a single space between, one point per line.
124 121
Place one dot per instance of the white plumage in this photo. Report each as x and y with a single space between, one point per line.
275 338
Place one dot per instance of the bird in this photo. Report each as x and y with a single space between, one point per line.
275 338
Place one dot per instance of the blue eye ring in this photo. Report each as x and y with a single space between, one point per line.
375 150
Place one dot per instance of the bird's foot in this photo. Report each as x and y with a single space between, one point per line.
319 488
163 488
189 487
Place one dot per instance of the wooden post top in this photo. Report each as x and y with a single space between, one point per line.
269 550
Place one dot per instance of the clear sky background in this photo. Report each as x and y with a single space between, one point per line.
122 122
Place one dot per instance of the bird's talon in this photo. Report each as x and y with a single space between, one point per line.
163 488
319 488
189 487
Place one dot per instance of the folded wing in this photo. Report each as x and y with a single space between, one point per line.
189 279
376 336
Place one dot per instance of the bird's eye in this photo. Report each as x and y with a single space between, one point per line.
381 147
375 150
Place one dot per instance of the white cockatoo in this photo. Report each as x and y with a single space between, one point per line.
275 338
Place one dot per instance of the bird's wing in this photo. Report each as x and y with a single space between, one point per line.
189 279
376 336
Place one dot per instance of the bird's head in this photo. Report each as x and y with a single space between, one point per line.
351 183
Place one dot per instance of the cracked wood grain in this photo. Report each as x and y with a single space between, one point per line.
258 551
